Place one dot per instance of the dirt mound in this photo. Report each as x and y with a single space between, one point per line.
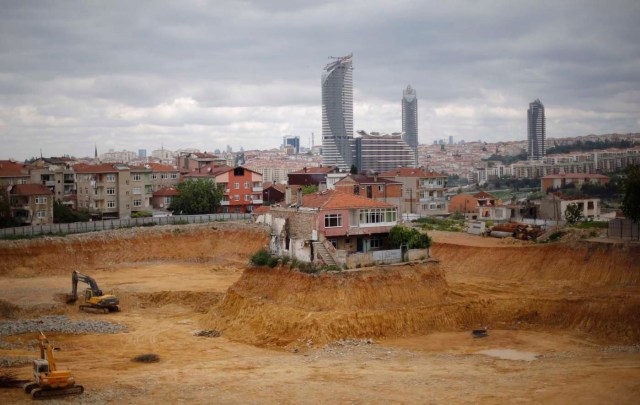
187 243
197 301
503 288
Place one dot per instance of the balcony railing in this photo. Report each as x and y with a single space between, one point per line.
257 202
257 189
225 202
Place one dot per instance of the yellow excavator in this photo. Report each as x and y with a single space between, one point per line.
49 381
94 299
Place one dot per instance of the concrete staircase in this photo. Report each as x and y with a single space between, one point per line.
324 254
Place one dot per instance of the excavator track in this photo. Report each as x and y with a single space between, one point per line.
40 393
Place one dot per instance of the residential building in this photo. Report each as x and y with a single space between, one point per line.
374 187
563 180
481 205
124 156
378 153
311 176
424 192
337 113
163 176
554 206
241 187
332 228
58 175
105 190
536 131
410 121
12 172
32 204
189 161
163 197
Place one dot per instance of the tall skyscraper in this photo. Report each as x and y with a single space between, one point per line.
337 113
536 131
410 119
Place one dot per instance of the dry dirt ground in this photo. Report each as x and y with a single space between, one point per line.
563 322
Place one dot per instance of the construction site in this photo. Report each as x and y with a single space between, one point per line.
180 316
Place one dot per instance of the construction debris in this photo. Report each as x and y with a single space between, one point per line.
517 230
146 358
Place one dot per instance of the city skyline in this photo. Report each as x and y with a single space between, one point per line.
536 131
192 74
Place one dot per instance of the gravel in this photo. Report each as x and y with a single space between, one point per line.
55 323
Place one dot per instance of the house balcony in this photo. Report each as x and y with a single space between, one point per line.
49 183
257 202
433 199
257 189
225 202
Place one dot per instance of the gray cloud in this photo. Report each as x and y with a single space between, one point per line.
207 74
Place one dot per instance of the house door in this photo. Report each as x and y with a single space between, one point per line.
359 245
369 192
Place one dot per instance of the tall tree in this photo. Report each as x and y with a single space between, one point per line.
631 193
200 196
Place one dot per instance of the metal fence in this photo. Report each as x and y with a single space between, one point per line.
81 227
623 228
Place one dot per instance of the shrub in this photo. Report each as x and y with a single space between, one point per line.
140 214
261 258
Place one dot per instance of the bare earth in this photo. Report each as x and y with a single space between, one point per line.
164 300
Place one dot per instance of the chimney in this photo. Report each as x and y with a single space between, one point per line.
299 202
287 195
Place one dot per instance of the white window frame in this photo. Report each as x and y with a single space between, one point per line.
41 214
246 184
236 197
136 177
247 197
41 199
236 186
111 178
174 175
137 190
333 220
111 191
137 203
111 204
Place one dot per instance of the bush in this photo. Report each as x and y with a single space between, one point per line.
401 235
140 214
261 258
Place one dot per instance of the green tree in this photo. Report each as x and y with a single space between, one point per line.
631 193
402 235
353 170
573 213
6 220
200 196
63 214
310 189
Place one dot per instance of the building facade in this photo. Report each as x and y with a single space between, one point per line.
337 113
424 192
410 120
536 131
382 152
32 204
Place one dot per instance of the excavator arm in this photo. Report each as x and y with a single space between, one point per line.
93 285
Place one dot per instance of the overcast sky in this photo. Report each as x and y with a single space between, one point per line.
206 74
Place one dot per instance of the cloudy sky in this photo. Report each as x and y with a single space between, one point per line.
206 74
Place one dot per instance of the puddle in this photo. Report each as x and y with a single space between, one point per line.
510 354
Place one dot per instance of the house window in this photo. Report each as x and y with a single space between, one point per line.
236 209
137 203
333 220
137 190
375 243
334 242
137 177
246 184
111 204
111 178
41 200
377 215
163 175
174 175
247 197
167 200
236 185
42 214
154 176
236 197
356 189
590 205
381 188
111 190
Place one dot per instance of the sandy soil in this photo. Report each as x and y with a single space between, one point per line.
163 302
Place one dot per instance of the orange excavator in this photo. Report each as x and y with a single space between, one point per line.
49 381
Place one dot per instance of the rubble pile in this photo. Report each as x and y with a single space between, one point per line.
58 323
517 230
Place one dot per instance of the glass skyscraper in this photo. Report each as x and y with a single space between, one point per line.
410 119
337 113
536 131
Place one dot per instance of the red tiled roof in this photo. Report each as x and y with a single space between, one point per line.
315 170
166 192
332 199
364 179
410 172
100 168
483 194
12 169
30 189
263 209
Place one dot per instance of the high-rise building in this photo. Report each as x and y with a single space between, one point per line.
377 152
291 140
536 131
410 119
337 113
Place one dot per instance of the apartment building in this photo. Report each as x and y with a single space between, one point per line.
32 204
424 192
242 188
12 172
311 176
558 181
58 175
373 187
163 176
189 161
